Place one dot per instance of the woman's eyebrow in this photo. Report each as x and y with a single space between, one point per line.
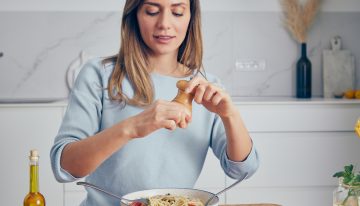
178 4
152 4
158 5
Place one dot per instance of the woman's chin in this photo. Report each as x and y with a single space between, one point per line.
164 51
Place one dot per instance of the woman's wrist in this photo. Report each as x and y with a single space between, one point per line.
232 112
126 129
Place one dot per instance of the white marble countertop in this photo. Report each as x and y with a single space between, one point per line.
237 100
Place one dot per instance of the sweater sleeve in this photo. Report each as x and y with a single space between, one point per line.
235 170
82 117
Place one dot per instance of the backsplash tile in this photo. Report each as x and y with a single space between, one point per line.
39 46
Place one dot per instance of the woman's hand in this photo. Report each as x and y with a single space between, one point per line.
214 98
160 114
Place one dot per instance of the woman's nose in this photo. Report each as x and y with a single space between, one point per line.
164 21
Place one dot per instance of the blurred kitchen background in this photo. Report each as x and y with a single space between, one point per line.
302 143
41 39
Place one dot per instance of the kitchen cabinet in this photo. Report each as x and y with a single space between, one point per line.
301 143
25 127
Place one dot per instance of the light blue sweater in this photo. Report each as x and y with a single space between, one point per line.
163 159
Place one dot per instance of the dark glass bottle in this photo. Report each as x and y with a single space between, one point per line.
303 75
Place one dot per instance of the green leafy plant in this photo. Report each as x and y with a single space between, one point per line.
349 176
350 180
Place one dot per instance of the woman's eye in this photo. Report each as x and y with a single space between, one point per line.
152 13
177 14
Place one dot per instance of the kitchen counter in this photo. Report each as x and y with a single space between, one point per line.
237 100
62 103
291 100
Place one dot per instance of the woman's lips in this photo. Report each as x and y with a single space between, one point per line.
163 39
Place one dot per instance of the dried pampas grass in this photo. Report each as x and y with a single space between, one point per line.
299 17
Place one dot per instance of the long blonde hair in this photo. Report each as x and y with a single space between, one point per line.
131 61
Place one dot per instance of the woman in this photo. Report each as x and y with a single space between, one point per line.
122 131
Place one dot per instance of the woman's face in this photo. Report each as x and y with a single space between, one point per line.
163 24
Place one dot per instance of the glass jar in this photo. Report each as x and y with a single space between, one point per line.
345 195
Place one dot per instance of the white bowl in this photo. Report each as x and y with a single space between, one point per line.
191 193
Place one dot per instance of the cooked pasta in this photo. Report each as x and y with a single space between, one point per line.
173 200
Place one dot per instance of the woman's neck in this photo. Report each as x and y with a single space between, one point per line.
167 65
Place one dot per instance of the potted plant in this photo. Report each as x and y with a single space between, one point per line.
348 192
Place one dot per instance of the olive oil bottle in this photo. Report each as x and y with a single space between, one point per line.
34 197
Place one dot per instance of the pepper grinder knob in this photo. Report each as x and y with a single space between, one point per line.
182 97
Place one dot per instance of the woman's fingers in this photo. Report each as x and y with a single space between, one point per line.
184 116
169 124
209 93
194 83
182 123
199 94
177 113
216 99
161 114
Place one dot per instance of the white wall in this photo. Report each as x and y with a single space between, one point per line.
55 32
116 5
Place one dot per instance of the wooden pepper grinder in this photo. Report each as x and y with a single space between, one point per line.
182 97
